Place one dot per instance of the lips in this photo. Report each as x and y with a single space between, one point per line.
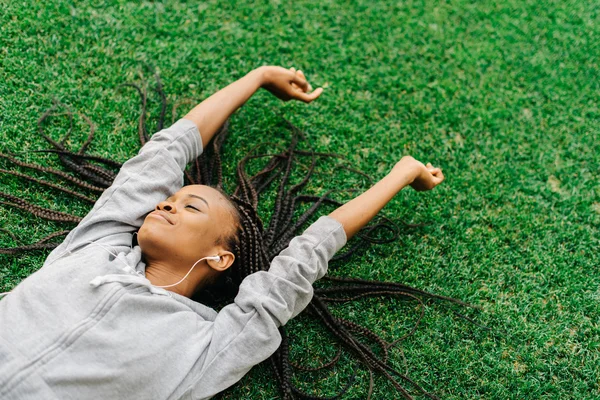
163 215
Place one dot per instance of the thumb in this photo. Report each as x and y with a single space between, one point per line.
308 97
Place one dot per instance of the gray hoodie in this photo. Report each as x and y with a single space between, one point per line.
89 325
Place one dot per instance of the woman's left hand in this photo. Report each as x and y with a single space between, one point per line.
422 177
288 84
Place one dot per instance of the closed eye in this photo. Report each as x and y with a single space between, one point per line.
192 207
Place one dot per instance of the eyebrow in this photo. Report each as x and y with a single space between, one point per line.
201 198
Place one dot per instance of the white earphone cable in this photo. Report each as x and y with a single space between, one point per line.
215 258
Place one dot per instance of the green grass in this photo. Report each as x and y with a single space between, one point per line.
502 95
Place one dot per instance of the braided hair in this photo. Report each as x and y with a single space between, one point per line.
253 244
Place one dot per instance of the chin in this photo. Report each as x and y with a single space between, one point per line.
151 241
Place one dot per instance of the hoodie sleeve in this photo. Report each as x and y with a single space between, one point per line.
155 173
246 332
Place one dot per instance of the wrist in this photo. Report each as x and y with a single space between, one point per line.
261 74
400 178
406 173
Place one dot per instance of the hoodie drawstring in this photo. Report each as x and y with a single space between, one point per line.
131 278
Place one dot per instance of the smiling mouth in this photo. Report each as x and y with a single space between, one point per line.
161 216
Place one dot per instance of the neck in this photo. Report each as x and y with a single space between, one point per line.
162 274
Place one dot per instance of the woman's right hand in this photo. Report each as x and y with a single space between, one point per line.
426 177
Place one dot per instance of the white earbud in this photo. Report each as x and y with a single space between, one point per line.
214 258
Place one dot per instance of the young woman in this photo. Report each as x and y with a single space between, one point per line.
102 319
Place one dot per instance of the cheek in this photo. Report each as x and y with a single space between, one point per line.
195 236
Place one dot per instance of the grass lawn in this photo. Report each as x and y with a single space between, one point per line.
502 95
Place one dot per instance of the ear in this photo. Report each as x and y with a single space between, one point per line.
227 258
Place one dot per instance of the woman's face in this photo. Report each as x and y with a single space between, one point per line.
187 226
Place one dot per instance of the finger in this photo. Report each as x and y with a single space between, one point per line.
440 177
299 72
435 171
301 82
292 77
308 97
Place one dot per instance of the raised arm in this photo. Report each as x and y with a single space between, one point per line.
286 84
359 211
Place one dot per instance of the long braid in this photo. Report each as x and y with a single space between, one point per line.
72 179
90 137
142 133
280 203
328 364
65 159
42 212
107 161
103 173
286 374
163 100
49 184
41 244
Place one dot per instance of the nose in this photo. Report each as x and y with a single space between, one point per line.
166 206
